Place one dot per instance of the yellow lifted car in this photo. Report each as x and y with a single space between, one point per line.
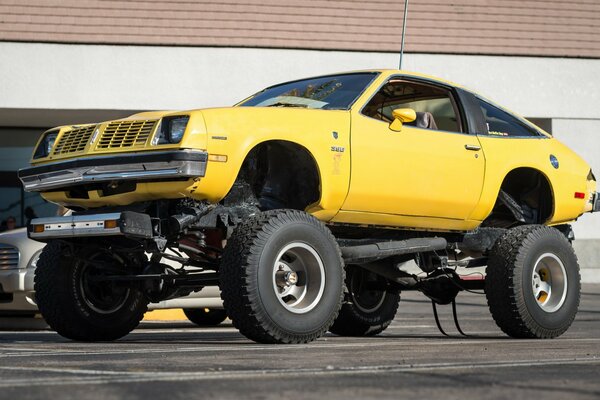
302 201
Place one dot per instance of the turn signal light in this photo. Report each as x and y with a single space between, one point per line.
217 157
38 228
110 224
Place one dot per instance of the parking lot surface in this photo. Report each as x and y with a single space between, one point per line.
411 358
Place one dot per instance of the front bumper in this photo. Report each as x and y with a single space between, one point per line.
17 280
162 165
126 223
16 290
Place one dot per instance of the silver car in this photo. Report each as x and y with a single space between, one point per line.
18 257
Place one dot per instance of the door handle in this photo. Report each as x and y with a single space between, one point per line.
472 147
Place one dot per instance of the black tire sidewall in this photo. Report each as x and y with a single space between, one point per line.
561 249
313 320
61 304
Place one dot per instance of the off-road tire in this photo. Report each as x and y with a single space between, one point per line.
508 284
356 319
58 295
247 270
205 316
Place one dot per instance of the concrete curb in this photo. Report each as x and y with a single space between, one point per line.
175 314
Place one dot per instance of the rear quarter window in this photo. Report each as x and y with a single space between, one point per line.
501 123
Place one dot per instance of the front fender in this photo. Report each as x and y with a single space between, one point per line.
234 132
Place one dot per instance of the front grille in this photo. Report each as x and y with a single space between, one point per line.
74 141
9 257
126 134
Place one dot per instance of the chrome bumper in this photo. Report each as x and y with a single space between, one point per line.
162 165
126 223
596 202
17 280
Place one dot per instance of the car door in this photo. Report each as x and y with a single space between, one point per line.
417 171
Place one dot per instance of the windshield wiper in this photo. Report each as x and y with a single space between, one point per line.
280 104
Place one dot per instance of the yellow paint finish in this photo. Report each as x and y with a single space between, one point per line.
144 192
195 132
416 172
247 127
402 115
405 221
570 177
414 178
502 155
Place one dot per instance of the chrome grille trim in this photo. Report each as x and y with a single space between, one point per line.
74 140
121 134
9 257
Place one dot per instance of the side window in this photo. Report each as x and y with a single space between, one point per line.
435 107
501 123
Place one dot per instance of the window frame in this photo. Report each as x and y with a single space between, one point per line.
453 95
521 121
350 105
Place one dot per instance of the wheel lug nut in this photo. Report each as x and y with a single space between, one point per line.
291 278
286 278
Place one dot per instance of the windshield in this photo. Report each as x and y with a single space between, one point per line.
335 92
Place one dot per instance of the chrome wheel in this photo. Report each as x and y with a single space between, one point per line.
549 282
298 277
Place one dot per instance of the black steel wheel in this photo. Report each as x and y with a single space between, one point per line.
370 306
533 284
282 277
79 306
205 316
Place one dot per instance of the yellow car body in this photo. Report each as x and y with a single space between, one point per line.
369 174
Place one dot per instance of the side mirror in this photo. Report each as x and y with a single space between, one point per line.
402 115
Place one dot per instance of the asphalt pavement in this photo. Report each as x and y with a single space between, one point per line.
411 358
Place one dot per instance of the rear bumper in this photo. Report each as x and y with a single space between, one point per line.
162 165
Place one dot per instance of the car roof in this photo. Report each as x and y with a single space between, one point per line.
385 72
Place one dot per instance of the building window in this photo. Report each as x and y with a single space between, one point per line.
544 123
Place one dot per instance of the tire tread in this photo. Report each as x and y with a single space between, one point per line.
240 297
58 308
503 284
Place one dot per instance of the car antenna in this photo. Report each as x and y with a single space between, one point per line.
403 33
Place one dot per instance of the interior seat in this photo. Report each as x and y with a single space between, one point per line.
424 120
